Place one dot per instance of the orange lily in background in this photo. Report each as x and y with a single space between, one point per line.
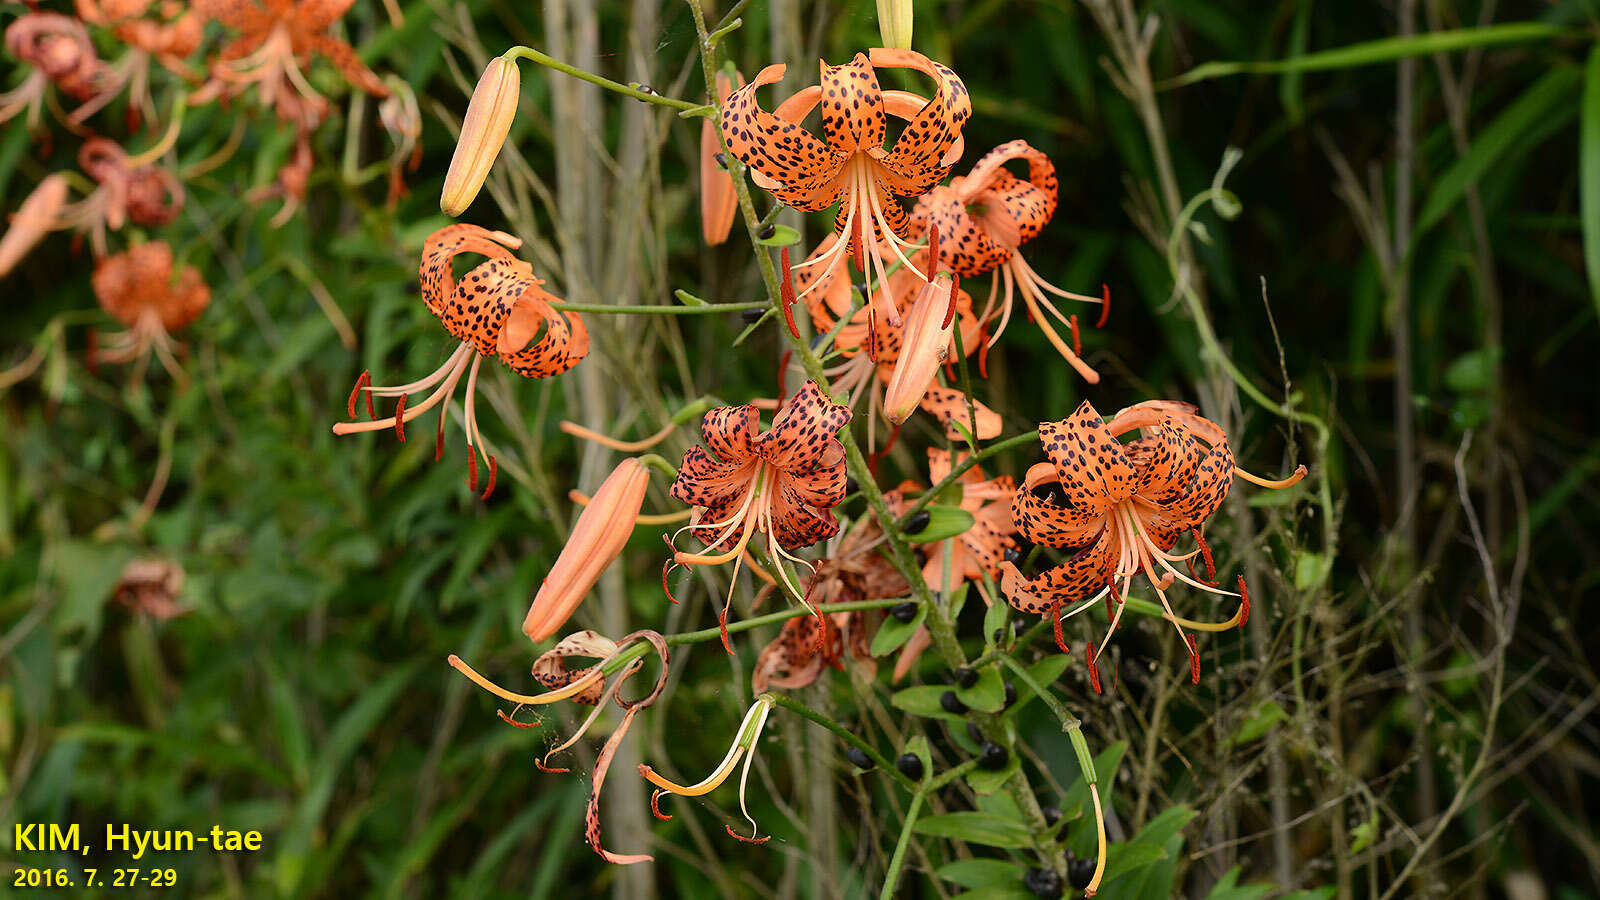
1125 507
983 218
169 38
496 309
718 200
587 686
150 587
783 483
602 530
977 553
853 168
60 52
137 288
275 42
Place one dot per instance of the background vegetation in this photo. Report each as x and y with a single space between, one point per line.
1410 711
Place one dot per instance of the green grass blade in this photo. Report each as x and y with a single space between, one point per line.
1589 173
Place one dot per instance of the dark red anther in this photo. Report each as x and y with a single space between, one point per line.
822 634
748 840
438 439
1205 555
666 569
400 418
1105 305
1244 602
1077 342
510 721
1055 617
983 352
655 806
1194 659
950 305
722 626
549 770
786 293
872 336
1094 669
858 247
933 251
362 380
472 468
893 436
494 470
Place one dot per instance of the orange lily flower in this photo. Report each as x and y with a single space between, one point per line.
977 553
1125 507
60 52
276 40
853 168
137 288
783 483
496 309
589 687
718 200
983 218
169 38
854 571
602 530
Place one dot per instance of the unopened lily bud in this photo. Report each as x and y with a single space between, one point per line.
35 219
894 23
483 132
598 538
923 347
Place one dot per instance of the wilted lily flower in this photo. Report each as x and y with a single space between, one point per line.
743 747
977 553
483 132
276 40
496 309
983 218
402 119
602 530
60 52
150 587
137 288
591 686
1123 507
718 200
783 483
853 168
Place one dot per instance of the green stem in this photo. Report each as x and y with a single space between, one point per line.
533 55
891 876
663 309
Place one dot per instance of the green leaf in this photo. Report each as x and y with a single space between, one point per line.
1471 372
782 236
976 828
1549 97
923 701
1380 51
987 694
893 632
981 873
984 781
1589 173
87 573
943 522
1228 888
1362 836
1266 714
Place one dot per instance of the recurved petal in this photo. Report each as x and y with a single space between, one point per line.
1047 522
440 250
1093 469
949 406
564 340
349 64
852 105
729 431
1031 203
1166 457
718 200
796 523
823 485
922 154
1212 479
804 430
965 248
704 481
1089 570
779 150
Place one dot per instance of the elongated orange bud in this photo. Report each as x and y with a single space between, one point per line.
483 133
718 200
33 221
602 531
924 345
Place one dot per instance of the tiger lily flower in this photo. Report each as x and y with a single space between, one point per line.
743 747
854 570
602 530
137 288
587 686
977 553
852 168
983 218
58 49
490 112
718 199
276 40
1125 507
496 309
782 483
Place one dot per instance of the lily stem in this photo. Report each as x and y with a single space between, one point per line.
533 55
